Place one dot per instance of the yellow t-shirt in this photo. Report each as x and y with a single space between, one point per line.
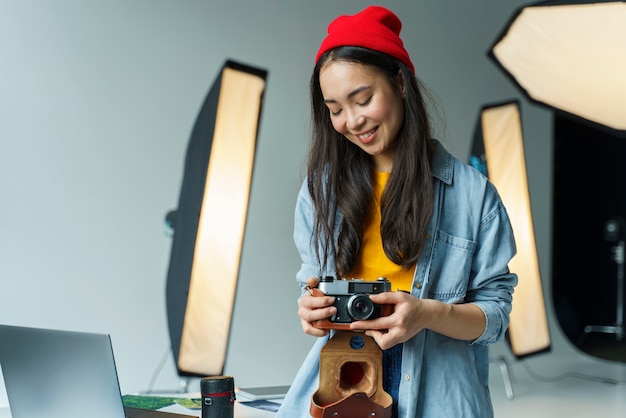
372 262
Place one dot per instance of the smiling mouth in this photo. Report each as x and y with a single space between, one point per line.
366 135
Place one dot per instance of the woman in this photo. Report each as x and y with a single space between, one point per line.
384 199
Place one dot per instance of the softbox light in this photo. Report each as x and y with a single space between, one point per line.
208 225
570 56
498 151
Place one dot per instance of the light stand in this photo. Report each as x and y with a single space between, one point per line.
614 232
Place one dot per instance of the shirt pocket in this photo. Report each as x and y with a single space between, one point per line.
450 267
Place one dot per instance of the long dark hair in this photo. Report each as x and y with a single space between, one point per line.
340 173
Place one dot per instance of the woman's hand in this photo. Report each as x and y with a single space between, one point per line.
411 315
313 308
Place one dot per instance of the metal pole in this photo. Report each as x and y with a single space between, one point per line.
619 261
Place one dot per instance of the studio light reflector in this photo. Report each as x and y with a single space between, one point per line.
498 151
210 220
570 56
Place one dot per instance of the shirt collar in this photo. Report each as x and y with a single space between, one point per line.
443 164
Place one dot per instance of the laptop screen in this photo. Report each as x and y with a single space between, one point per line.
59 374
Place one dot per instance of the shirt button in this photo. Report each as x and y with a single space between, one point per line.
418 285
407 377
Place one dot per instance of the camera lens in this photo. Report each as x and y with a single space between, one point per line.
360 307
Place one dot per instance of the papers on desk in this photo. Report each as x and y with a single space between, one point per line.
158 402
259 393
262 404
259 397
192 403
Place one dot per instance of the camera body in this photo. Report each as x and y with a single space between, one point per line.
352 298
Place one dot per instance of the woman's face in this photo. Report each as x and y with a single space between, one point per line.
365 108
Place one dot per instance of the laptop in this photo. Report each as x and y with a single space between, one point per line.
63 374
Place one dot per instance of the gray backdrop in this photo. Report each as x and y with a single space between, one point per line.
97 102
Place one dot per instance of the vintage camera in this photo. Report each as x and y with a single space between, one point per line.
352 300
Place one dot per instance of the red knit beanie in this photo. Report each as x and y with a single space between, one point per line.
374 28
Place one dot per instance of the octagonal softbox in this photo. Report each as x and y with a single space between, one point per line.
571 57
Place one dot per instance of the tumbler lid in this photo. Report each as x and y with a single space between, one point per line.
217 384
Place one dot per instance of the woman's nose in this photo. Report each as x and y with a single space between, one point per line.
354 121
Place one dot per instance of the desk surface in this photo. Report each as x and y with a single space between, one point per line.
241 411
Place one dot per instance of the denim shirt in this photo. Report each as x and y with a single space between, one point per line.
464 260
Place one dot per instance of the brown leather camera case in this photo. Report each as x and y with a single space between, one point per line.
351 380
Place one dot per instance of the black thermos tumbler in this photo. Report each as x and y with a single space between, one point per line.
218 396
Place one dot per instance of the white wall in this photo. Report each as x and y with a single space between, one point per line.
97 101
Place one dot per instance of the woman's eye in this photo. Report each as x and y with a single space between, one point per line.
335 113
366 102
